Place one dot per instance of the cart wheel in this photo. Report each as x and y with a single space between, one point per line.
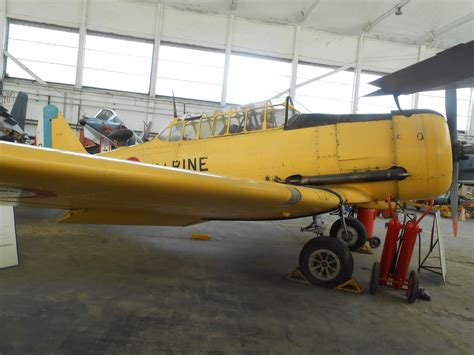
374 278
356 233
326 262
375 242
413 283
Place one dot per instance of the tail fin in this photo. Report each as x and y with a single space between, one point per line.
19 109
54 132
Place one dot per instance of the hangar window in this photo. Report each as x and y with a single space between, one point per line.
190 73
332 94
434 100
253 79
117 63
50 52
220 125
176 132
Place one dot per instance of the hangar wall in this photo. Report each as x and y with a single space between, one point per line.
142 20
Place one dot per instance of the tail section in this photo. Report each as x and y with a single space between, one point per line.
53 131
19 109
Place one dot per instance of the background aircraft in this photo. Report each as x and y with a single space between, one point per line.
107 124
12 124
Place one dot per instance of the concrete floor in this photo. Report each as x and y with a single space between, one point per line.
96 289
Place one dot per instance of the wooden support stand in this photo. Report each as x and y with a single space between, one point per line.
351 285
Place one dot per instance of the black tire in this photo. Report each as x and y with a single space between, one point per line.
413 286
374 278
356 230
375 242
326 262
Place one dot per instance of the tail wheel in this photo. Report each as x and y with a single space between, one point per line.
413 286
375 242
356 235
374 278
326 262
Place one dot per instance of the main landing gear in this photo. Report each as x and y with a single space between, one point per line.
325 261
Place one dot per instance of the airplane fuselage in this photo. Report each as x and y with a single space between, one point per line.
420 144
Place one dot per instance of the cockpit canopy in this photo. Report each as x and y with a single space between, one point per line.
107 115
235 121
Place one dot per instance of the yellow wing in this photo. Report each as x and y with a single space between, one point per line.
110 191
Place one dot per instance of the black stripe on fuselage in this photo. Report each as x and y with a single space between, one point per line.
306 120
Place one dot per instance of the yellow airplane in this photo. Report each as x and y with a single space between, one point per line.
258 163
264 163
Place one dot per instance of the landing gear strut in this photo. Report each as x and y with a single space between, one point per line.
326 262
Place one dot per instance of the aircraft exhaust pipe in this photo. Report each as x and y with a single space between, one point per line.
395 173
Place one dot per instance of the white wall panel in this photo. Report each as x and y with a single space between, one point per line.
119 17
194 28
62 13
262 38
387 57
326 48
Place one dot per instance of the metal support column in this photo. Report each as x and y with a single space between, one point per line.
81 50
416 97
156 48
228 49
294 63
3 33
470 117
357 71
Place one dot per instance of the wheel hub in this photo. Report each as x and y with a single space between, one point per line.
349 238
324 265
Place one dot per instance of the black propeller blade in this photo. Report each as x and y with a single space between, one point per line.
175 111
448 70
450 100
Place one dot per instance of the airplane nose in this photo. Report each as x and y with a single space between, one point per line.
82 121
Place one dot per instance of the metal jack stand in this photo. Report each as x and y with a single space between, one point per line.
436 240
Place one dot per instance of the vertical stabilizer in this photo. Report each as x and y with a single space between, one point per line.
54 132
19 109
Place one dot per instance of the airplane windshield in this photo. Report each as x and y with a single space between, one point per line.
276 116
237 122
104 115
220 125
231 122
205 128
190 130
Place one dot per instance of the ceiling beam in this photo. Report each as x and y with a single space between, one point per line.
233 5
449 27
306 12
371 24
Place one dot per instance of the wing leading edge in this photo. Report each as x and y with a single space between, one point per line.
110 191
